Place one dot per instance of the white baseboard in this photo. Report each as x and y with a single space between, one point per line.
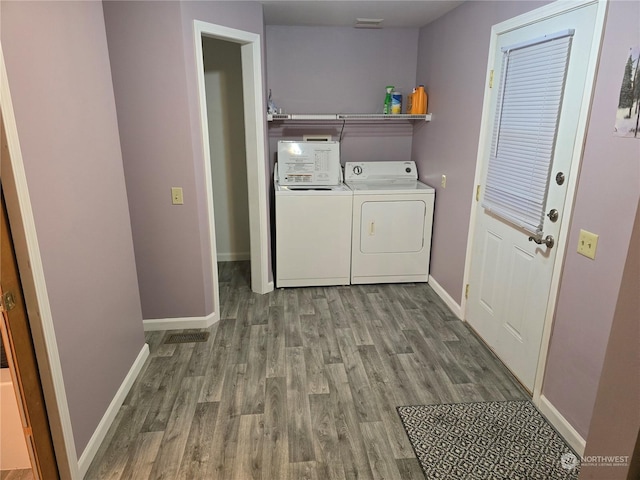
101 430
564 428
446 298
233 256
154 324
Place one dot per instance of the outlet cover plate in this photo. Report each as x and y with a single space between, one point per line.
176 196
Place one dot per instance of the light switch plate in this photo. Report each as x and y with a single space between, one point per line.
176 196
587 244
443 182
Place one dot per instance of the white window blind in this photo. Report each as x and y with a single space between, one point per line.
529 100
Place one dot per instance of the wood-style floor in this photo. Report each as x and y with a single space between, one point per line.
24 474
302 383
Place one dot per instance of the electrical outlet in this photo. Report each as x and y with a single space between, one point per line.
587 243
176 196
443 182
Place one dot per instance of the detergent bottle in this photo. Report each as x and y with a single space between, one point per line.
387 100
419 105
410 101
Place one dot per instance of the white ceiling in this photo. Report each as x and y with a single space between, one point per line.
396 13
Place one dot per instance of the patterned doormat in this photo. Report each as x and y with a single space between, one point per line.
487 440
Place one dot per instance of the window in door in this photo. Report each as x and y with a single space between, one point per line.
530 94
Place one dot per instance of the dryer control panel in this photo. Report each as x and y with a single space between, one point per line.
360 171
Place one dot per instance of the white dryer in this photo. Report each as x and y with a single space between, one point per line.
392 222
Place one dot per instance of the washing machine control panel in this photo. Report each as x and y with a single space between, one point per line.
357 171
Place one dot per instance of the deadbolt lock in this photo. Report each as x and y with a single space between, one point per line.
560 178
553 215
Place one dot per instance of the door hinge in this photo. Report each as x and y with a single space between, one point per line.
491 79
477 193
7 302
466 291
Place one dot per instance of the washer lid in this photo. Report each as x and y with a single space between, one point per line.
340 189
390 187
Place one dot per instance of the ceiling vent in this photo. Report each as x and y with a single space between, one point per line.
368 23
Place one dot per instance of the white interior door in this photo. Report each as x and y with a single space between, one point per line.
510 276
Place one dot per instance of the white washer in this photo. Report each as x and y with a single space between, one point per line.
392 222
313 222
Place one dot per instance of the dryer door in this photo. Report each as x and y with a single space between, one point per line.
392 226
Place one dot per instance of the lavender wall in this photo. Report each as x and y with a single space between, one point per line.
338 69
452 62
151 47
616 416
342 70
606 202
148 69
58 72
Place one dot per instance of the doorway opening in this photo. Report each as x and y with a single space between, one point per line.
26 443
253 121
35 299
225 114
15 458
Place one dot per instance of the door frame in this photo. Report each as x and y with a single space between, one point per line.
535 16
23 364
254 125
27 251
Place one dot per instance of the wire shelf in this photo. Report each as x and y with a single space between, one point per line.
346 116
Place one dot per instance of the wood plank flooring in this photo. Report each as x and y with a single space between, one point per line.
302 383
24 474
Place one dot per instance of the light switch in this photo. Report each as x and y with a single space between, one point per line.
587 243
443 181
176 196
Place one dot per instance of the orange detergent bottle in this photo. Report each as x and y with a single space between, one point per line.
419 101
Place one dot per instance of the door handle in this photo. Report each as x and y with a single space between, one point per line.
548 240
